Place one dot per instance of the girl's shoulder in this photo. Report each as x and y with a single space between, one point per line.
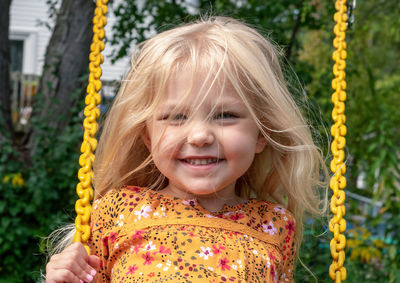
117 200
264 208
271 214
120 196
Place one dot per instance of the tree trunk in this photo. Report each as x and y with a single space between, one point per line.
67 59
5 90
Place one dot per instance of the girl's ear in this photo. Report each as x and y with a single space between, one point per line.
261 143
146 138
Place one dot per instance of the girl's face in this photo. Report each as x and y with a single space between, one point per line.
207 150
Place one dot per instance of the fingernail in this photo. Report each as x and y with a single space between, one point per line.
89 278
93 272
80 281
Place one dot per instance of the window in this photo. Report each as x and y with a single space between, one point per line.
17 52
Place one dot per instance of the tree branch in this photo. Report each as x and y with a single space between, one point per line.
295 29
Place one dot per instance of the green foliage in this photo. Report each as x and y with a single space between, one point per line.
368 258
135 23
373 138
37 198
371 258
374 83
314 254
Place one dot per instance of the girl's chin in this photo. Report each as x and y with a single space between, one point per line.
203 191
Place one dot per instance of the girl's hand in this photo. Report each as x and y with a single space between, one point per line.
72 265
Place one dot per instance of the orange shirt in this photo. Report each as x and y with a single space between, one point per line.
144 236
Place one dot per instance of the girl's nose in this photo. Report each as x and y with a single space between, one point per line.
200 135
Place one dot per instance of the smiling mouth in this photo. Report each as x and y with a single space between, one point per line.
201 161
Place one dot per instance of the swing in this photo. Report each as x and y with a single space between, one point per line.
337 225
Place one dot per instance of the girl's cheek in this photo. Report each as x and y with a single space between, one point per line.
168 142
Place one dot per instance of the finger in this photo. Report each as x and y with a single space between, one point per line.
84 260
75 260
89 264
94 262
61 275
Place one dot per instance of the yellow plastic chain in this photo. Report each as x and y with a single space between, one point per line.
337 224
89 144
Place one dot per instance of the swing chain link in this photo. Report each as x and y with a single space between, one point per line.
85 174
337 224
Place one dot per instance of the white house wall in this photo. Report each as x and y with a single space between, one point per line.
25 16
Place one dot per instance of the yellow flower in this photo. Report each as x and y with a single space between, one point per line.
17 180
378 243
6 179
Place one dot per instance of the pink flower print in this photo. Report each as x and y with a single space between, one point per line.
236 216
280 209
144 210
147 258
191 202
132 269
273 271
138 235
133 189
206 252
217 250
290 227
113 237
272 256
163 250
137 248
270 228
223 263
149 246
191 234
104 240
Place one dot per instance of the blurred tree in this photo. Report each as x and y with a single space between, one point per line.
5 90
38 168
65 62
284 19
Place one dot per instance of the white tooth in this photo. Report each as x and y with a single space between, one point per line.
201 161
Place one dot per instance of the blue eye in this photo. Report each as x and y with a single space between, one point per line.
179 117
225 115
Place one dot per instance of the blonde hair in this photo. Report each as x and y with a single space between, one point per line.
287 171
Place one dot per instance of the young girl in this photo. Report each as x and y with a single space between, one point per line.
204 168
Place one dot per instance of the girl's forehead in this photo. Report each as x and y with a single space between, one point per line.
183 90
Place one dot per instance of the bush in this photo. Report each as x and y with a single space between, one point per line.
37 198
368 258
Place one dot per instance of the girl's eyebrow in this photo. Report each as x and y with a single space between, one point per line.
228 102
168 107
221 103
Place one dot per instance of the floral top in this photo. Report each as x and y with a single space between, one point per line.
144 236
